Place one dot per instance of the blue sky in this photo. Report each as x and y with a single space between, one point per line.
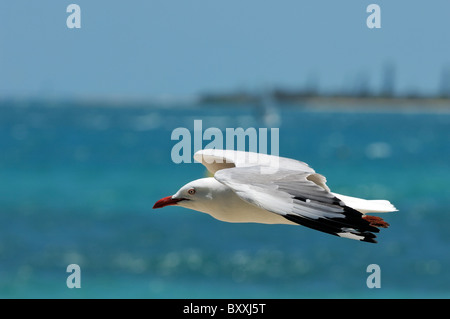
144 49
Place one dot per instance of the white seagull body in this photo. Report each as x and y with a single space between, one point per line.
259 188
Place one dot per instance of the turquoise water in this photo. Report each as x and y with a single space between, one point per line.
77 184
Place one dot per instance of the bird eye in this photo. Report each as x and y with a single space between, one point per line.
191 191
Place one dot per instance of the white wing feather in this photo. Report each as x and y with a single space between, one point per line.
215 160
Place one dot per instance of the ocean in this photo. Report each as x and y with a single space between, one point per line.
78 182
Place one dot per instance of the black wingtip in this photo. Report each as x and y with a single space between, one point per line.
348 227
369 240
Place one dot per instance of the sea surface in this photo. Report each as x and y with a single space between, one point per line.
78 182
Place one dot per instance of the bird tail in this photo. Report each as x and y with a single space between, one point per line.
367 206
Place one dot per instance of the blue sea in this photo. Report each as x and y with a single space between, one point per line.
78 182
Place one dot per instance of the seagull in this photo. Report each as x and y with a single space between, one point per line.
250 187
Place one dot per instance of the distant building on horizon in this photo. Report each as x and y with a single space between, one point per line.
444 90
388 80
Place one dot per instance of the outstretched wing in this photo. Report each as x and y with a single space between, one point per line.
216 159
296 196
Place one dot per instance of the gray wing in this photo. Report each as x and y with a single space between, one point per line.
297 197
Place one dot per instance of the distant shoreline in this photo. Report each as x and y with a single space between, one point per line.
319 102
326 99
338 103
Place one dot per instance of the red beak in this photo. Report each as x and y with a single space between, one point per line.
166 201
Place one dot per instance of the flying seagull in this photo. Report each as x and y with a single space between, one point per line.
260 188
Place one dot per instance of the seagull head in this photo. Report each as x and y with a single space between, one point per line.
194 195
